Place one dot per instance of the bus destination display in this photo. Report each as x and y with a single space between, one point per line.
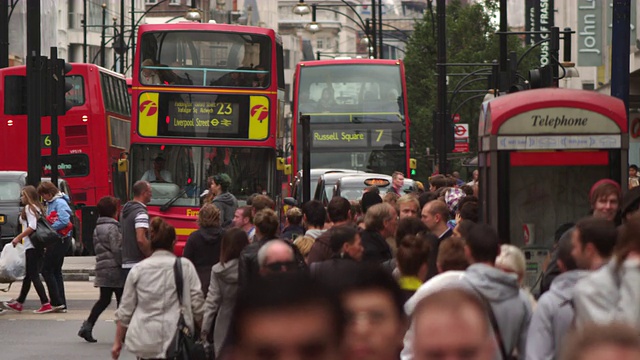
352 138
203 117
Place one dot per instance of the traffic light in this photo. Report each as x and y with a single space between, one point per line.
62 86
519 87
541 77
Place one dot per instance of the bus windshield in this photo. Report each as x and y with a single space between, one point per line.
182 171
378 161
351 93
199 58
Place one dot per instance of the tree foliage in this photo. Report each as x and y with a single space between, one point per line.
471 38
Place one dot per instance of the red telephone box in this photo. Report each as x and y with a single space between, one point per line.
540 152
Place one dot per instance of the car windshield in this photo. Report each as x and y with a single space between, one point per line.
182 171
9 191
354 191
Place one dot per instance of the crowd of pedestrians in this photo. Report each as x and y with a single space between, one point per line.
413 276
40 260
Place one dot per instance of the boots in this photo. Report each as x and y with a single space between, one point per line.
85 332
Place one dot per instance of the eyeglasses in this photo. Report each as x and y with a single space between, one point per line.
281 266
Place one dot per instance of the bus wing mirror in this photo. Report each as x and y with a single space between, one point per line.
287 169
280 163
123 165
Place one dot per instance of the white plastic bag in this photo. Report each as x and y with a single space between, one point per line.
12 263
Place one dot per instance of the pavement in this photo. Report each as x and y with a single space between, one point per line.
79 268
29 336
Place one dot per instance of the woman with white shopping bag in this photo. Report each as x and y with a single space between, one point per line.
34 256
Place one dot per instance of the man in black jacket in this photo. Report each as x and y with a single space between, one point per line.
346 246
293 227
435 215
266 223
380 222
339 212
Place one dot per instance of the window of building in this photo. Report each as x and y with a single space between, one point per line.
287 59
150 2
175 2
320 44
588 86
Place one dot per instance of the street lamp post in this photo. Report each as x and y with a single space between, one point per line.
104 28
442 122
115 36
120 39
381 51
4 35
303 9
84 31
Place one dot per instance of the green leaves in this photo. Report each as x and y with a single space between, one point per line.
470 38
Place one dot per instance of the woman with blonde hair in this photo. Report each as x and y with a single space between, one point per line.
304 244
34 255
203 245
149 311
511 259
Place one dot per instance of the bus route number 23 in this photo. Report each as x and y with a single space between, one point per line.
224 108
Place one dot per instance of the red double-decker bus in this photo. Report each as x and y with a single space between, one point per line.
358 115
92 135
207 99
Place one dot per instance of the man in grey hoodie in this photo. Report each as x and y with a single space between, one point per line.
554 314
223 199
508 301
609 292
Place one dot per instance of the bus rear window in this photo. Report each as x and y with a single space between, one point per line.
71 165
76 95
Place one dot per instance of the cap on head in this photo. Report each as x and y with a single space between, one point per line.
594 193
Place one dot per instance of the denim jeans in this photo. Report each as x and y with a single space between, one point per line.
52 271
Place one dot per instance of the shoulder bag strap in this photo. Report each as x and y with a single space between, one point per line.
494 322
177 273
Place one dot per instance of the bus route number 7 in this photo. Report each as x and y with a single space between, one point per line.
380 133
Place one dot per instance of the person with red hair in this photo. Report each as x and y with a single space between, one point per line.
604 198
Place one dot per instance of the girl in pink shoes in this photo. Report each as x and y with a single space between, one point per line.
34 255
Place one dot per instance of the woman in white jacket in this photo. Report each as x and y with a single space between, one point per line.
149 311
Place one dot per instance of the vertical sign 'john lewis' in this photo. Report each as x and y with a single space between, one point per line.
590 32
